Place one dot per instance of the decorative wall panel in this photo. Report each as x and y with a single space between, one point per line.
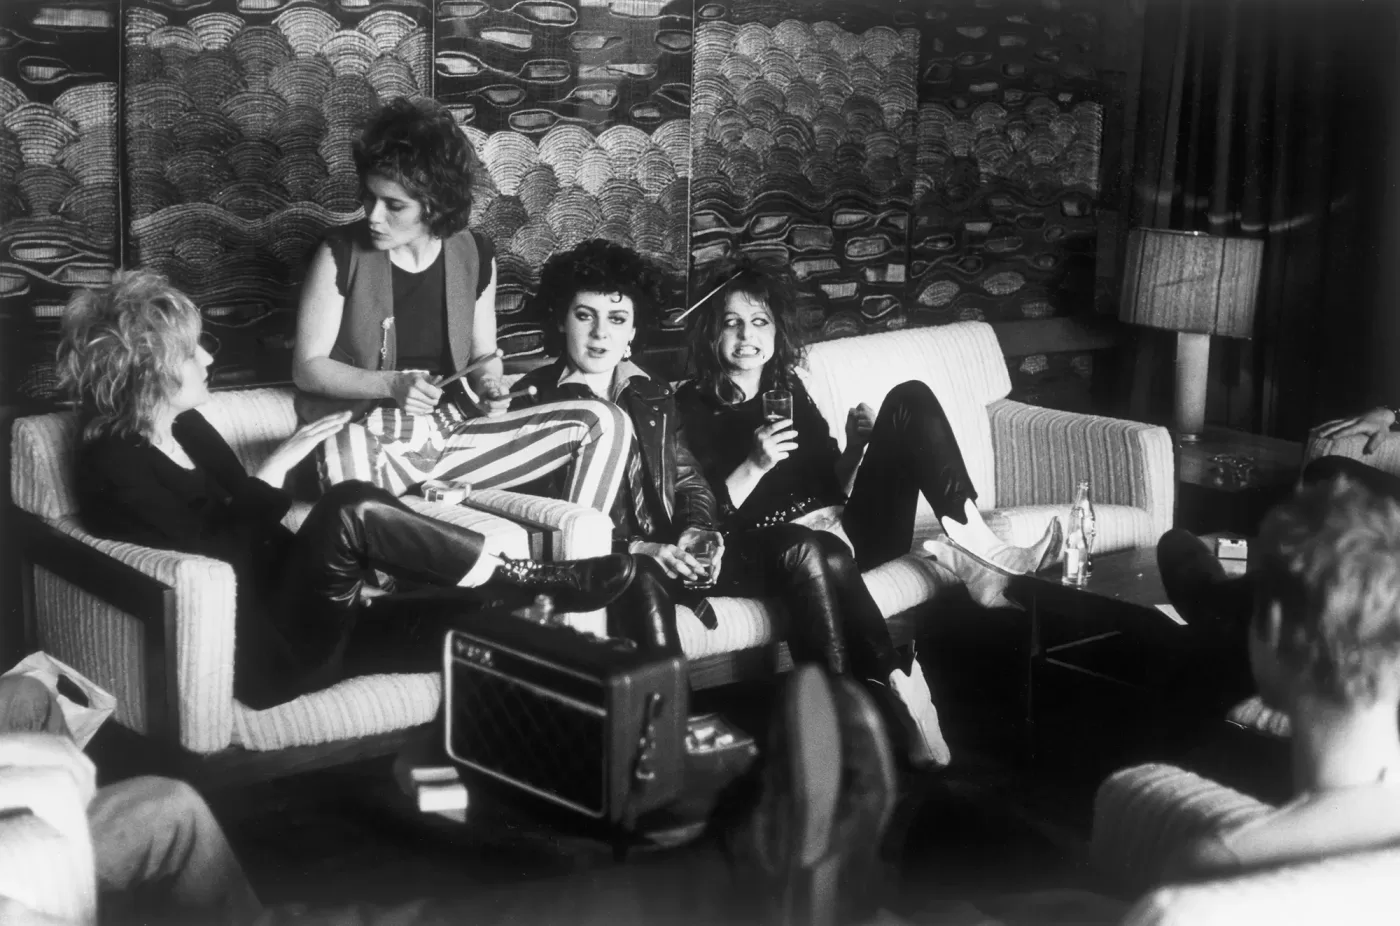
239 118
58 174
805 139
1008 161
580 115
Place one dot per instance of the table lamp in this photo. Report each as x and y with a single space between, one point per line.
1197 285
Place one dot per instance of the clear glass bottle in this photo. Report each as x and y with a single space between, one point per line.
1079 537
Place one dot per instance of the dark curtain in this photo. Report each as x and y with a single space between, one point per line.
1272 119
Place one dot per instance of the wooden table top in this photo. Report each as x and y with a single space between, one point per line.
1276 461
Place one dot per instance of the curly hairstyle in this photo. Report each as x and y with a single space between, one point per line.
599 266
416 143
768 282
1331 560
121 350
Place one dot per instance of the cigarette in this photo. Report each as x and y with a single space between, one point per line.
475 364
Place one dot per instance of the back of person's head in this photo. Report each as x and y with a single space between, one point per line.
600 266
767 282
121 350
417 144
1329 576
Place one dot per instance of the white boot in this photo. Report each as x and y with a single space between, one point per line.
913 690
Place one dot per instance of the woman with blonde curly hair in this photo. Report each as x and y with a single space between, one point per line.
150 469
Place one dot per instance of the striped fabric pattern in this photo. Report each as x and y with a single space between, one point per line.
397 451
356 707
1041 453
253 421
1145 813
1386 456
46 867
1358 890
41 457
962 363
1253 714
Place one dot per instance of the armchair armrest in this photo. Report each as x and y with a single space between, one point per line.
1144 813
1041 452
1354 889
46 860
171 669
564 530
569 530
1386 456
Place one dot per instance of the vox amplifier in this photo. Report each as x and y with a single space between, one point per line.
577 721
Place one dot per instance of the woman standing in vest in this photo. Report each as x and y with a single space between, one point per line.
394 304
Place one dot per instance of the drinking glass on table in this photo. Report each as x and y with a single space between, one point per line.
777 405
705 546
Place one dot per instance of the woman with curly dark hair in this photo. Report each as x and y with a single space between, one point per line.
395 304
601 298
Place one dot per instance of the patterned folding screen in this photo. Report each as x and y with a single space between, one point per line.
239 118
58 173
579 113
804 135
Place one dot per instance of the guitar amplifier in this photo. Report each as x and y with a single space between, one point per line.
577 721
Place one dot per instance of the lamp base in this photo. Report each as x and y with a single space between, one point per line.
1192 374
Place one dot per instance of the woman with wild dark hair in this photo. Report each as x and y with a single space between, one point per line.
150 469
397 303
858 504
601 299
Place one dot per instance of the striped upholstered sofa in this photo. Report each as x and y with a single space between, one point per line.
171 666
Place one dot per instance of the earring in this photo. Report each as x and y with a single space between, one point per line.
627 352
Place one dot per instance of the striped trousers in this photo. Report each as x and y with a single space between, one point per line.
398 452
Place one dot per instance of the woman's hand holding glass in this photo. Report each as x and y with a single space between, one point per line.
675 562
414 392
773 443
706 547
295 448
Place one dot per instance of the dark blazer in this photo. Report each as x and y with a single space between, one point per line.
675 495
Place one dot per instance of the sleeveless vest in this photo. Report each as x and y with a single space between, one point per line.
367 339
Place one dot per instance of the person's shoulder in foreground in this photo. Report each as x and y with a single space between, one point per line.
1324 647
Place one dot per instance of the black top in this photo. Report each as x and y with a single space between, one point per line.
420 305
721 436
128 490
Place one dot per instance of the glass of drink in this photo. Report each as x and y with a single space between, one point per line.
705 547
777 405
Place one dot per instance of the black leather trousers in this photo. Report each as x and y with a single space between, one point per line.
354 529
833 620
912 449
646 612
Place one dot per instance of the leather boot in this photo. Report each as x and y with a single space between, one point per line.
577 585
1197 585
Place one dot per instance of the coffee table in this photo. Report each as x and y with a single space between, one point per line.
1109 630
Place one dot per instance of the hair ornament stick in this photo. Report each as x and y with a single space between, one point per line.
701 301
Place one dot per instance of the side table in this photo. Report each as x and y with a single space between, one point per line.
1210 498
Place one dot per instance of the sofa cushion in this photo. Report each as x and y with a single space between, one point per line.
962 363
747 622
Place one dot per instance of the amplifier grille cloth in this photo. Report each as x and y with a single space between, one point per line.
528 737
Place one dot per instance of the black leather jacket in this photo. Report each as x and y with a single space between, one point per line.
675 493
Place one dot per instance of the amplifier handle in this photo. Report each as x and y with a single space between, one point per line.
642 772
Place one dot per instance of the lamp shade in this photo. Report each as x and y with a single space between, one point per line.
1191 282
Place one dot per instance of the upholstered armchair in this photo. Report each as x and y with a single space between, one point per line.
1143 814
156 628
